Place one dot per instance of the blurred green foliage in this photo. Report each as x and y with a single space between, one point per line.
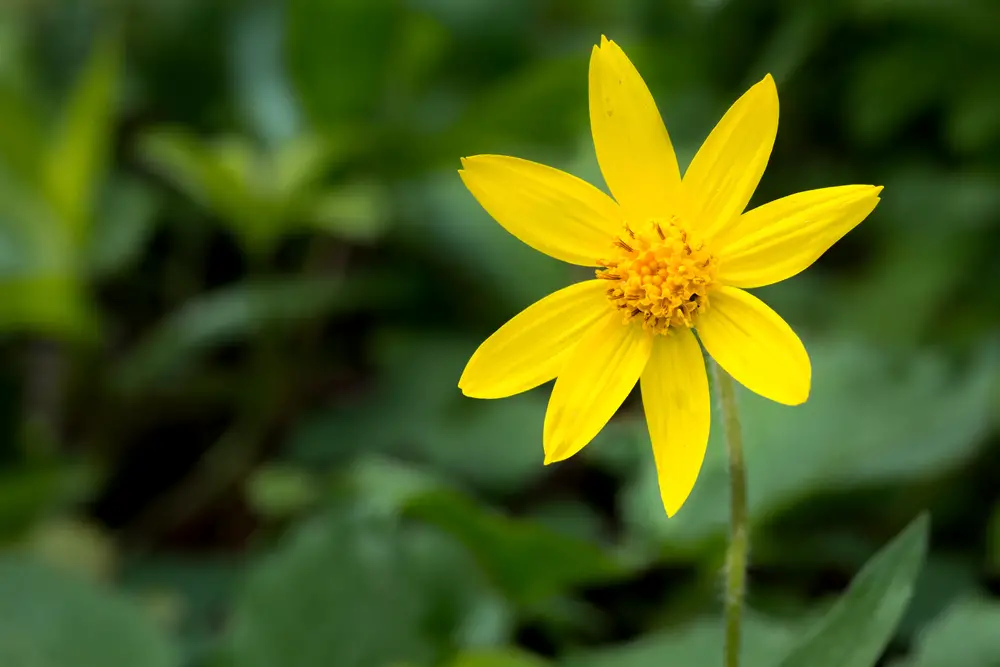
239 279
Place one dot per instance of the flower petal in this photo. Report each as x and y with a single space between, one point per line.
754 345
531 348
678 413
724 173
632 144
777 240
596 378
550 210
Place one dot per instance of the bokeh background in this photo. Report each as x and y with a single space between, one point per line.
240 277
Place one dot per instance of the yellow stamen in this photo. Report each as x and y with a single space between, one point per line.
663 275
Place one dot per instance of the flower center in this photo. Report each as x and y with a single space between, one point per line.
660 274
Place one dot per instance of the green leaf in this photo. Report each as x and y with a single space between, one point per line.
51 619
338 593
526 560
694 644
856 630
202 587
77 158
964 636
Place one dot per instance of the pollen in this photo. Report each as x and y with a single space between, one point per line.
659 275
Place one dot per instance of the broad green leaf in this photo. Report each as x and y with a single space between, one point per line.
900 300
340 592
51 619
526 560
965 635
856 630
202 587
909 420
76 161
695 644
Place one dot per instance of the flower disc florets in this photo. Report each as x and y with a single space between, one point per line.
660 275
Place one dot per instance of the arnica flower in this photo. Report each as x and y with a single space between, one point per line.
673 256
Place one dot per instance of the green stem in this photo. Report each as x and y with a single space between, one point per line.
739 537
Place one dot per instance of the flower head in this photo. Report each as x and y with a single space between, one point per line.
672 255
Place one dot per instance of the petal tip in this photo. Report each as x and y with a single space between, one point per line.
769 87
800 397
673 504
464 384
554 453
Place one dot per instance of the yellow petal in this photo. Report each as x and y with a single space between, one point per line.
754 345
724 173
777 240
550 210
677 404
632 144
596 378
532 347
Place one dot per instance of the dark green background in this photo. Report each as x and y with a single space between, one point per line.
240 277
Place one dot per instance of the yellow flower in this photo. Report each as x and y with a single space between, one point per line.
674 256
